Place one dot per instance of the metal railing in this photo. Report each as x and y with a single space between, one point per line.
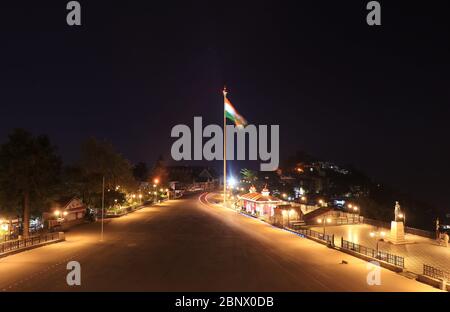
328 238
8 237
26 242
435 273
372 253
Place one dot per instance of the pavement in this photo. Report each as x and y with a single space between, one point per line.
418 250
190 245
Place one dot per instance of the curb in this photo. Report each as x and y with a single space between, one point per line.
433 282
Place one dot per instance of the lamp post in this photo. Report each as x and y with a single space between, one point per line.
324 221
380 237
356 211
103 206
155 185
402 217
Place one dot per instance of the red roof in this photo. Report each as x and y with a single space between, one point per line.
258 197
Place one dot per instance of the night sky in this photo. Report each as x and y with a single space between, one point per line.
374 97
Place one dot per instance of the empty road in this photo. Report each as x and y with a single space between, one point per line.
189 245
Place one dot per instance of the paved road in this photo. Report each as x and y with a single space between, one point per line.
187 245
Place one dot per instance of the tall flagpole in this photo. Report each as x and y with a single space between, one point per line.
224 148
103 206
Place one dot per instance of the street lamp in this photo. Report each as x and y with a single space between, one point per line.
155 184
380 237
168 194
324 221
356 211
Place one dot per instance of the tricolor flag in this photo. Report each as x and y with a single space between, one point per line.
231 113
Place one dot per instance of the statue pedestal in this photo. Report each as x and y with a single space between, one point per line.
397 235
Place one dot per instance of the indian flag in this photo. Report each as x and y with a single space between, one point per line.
231 112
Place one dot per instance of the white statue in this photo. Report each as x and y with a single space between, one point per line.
397 212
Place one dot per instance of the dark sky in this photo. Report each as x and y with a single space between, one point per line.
374 97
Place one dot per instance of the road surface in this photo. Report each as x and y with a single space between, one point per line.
189 245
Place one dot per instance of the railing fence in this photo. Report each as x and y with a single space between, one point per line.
436 273
370 252
328 238
25 242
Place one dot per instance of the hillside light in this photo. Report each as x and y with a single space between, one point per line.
284 195
156 181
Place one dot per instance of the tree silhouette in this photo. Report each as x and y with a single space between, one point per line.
29 174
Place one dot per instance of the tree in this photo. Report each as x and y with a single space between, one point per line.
249 175
160 171
99 159
29 174
140 172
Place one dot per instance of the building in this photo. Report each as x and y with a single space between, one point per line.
259 204
288 215
192 177
66 210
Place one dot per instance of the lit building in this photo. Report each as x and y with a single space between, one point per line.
69 210
259 204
